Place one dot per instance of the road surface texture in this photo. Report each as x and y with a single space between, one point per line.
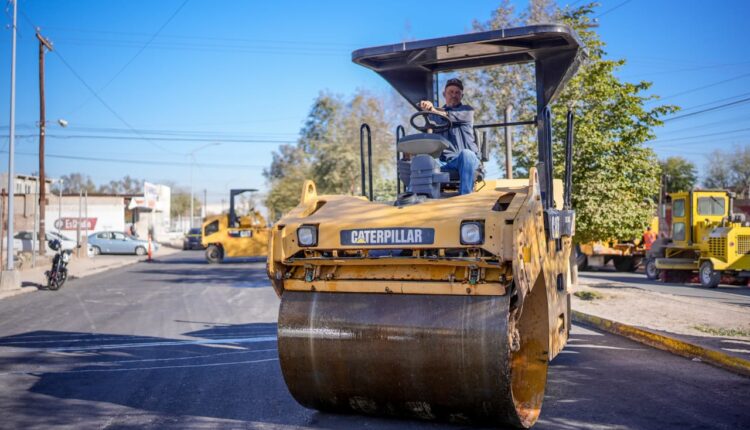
182 344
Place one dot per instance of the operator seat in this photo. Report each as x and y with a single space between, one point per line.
421 173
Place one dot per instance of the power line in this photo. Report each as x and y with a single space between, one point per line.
101 100
612 9
722 106
137 54
712 102
165 139
298 43
677 139
701 87
143 162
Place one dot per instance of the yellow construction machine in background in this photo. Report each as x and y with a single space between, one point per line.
227 235
625 256
438 305
706 238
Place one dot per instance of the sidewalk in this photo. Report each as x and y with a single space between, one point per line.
33 279
718 327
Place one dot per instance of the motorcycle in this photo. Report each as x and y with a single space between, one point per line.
59 273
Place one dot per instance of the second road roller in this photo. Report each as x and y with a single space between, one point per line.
438 305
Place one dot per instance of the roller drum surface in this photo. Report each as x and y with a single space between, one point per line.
430 357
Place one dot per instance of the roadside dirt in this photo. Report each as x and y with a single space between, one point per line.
664 312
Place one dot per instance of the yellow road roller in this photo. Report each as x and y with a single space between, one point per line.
229 235
440 305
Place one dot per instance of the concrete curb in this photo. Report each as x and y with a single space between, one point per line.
666 343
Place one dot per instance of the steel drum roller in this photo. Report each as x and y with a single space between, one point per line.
422 356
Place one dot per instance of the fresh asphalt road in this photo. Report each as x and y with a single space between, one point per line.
731 294
181 344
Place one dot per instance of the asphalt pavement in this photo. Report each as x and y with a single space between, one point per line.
182 344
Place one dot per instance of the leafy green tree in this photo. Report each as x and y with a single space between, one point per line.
328 151
614 176
681 174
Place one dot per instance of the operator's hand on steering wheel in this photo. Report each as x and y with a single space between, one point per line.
426 105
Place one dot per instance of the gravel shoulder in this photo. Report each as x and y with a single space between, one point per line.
708 323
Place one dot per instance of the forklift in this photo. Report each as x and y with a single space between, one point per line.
228 235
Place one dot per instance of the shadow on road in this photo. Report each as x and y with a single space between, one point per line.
231 372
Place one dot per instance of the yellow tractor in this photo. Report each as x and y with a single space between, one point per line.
227 235
706 238
437 306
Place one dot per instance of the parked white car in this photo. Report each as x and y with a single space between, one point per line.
26 238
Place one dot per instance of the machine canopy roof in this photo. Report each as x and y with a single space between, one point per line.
410 66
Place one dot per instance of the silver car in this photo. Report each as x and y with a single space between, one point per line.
27 245
115 242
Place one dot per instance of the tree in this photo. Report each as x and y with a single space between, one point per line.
75 183
681 174
718 171
615 176
328 152
729 171
126 185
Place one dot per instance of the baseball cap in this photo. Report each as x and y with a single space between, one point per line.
454 81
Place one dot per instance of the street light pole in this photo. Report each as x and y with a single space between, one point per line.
12 140
191 154
43 43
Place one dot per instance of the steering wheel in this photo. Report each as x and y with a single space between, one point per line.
435 122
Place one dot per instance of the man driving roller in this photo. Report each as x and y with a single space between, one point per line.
462 156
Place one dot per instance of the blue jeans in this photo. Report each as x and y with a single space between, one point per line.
466 164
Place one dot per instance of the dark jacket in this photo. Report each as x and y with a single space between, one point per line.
461 135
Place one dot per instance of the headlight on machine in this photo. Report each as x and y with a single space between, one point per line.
472 233
65 257
307 235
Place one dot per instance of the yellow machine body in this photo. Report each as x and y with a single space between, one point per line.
516 262
705 230
248 239
626 256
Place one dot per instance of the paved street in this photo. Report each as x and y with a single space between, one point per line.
181 344
731 294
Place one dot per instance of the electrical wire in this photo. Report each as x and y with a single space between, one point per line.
137 54
612 9
142 162
165 139
711 109
703 87
97 96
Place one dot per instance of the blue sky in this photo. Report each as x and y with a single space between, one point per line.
248 70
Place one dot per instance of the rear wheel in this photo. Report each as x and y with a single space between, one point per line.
709 277
652 272
140 251
214 254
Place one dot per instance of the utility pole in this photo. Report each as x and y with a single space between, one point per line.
12 142
205 192
508 145
43 44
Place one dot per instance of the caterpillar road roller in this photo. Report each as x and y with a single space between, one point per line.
440 305
229 235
